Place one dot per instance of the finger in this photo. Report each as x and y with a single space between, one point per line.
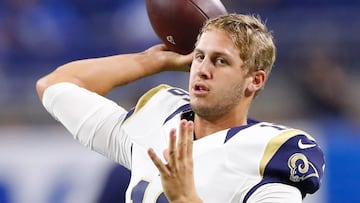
158 47
172 150
166 155
190 138
158 163
182 139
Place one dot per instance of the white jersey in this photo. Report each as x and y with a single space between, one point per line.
240 164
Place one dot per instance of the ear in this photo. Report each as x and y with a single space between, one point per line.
256 82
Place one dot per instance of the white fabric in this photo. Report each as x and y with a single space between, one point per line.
92 120
219 176
276 192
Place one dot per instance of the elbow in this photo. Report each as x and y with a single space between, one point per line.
46 81
60 74
41 86
66 73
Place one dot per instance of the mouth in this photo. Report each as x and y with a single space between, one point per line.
200 88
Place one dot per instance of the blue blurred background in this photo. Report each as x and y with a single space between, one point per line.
314 85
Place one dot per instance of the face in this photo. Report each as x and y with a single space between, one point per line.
217 79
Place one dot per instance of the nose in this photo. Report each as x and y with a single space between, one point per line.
204 69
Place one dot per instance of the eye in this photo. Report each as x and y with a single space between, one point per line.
221 61
199 56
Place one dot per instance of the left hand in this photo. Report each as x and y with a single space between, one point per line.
177 174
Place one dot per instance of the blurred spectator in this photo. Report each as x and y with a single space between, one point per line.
132 30
35 31
324 84
268 4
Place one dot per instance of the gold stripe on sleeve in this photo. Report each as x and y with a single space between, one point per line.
275 143
147 96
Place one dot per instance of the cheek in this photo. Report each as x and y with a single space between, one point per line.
192 74
192 69
191 79
248 84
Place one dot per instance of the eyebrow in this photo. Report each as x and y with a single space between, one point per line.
198 50
216 53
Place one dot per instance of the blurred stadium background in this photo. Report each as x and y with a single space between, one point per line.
314 85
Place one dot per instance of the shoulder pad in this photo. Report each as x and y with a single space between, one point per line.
294 158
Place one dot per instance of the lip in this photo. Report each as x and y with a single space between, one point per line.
200 89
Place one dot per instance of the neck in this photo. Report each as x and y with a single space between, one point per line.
205 126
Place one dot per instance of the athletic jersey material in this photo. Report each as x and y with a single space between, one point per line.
248 163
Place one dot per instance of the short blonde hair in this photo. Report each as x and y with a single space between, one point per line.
251 36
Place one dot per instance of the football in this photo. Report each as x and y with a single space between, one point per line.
178 22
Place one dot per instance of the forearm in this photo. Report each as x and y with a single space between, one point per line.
100 75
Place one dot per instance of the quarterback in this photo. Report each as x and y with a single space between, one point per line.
195 145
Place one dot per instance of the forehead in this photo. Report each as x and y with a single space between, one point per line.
214 40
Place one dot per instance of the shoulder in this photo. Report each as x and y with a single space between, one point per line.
292 157
159 102
164 93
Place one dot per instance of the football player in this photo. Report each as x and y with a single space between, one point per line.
197 145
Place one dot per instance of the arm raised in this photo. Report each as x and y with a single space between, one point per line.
101 75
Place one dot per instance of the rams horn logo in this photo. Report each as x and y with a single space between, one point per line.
301 168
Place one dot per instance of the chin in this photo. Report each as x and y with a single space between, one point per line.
202 110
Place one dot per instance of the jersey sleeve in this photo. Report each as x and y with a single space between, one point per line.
93 120
105 127
276 192
293 158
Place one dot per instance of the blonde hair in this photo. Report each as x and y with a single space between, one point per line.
250 35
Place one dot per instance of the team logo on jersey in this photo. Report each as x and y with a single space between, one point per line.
301 168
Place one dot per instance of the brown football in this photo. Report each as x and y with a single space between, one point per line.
177 22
